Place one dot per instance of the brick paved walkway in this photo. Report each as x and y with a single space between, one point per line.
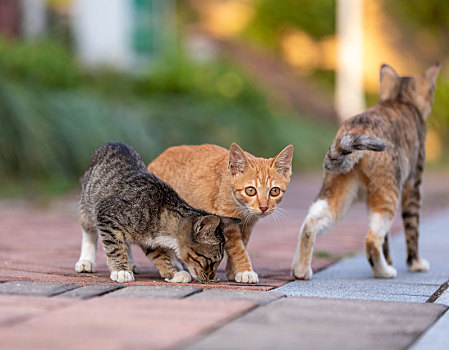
40 246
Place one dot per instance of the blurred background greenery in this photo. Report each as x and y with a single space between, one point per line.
256 72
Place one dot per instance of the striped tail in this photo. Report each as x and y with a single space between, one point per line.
340 157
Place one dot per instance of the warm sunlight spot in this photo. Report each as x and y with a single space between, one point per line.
328 52
433 146
226 18
300 50
303 52
379 39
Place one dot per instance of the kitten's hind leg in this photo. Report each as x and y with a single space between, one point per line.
411 203
379 227
336 195
168 265
386 249
86 262
134 267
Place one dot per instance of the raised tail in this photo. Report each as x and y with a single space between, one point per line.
340 158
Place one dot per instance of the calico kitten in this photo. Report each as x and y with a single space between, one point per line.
380 152
123 203
229 183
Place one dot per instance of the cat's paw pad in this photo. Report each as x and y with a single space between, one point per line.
419 265
134 267
122 276
180 277
385 272
302 272
246 277
85 266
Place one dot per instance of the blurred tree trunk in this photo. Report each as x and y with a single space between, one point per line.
349 98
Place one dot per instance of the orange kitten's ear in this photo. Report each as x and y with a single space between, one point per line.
283 161
389 83
431 73
238 163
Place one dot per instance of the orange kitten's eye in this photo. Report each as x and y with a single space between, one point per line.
250 191
275 191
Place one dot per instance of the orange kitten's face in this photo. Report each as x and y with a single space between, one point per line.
258 185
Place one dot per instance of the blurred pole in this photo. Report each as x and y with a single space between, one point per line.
349 97
34 18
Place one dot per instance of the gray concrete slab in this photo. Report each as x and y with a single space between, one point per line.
321 323
262 298
436 337
35 288
352 279
169 292
90 291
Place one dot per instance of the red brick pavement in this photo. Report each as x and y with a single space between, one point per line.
43 245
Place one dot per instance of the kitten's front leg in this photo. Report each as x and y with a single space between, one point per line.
168 265
239 264
116 254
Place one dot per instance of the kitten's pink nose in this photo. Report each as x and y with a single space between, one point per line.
264 209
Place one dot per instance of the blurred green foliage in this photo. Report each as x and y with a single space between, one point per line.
439 117
43 64
272 17
430 15
53 115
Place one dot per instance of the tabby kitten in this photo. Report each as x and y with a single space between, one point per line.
381 152
230 183
123 203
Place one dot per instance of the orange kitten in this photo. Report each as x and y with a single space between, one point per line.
231 183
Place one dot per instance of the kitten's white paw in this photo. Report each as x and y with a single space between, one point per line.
134 267
85 266
122 276
385 272
302 272
246 277
180 277
419 265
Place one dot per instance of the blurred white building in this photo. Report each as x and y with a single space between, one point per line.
124 34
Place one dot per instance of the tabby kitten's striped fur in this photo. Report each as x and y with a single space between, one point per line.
123 203
231 183
380 152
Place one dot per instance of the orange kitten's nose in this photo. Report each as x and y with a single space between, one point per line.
264 209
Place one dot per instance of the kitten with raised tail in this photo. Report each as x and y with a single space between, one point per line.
229 183
122 203
380 153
